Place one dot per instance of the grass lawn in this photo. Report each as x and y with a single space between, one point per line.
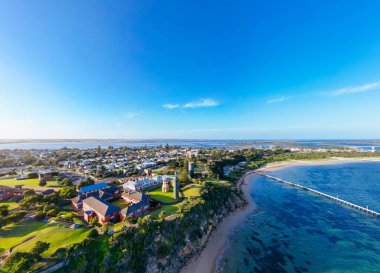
168 209
120 203
13 234
166 197
57 236
215 181
33 182
192 190
159 171
11 204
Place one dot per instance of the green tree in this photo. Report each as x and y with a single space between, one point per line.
162 215
42 182
87 182
29 192
93 221
68 192
39 248
4 210
66 182
19 262
184 175
93 233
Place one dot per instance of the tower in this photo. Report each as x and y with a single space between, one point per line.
191 169
176 187
166 185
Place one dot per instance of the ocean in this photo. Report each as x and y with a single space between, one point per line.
295 231
364 145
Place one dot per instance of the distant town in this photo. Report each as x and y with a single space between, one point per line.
52 201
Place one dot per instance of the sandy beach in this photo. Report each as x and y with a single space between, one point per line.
206 261
332 160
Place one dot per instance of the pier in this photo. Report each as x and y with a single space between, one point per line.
327 196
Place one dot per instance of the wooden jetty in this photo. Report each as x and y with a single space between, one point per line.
327 196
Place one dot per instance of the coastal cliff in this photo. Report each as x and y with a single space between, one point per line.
158 246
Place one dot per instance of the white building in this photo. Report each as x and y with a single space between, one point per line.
142 183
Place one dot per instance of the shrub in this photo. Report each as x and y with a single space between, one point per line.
40 215
93 233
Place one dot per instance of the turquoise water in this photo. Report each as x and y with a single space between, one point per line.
294 231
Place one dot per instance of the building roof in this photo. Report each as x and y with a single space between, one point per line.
94 187
134 207
100 206
105 195
136 195
6 189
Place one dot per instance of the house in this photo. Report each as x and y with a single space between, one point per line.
45 175
135 210
47 192
134 197
93 188
104 193
6 193
102 210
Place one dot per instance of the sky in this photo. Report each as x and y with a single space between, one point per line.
255 69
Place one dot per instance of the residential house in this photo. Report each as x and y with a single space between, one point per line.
93 188
45 175
135 210
103 192
134 197
101 209
8 192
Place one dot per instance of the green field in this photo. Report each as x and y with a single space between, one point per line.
159 171
216 181
13 234
33 182
11 204
168 209
57 236
165 197
192 190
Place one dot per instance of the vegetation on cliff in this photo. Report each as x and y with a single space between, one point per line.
156 246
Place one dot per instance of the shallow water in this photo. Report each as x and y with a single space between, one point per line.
294 231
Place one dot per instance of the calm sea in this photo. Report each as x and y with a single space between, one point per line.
294 231
364 145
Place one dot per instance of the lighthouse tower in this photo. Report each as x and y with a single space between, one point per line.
176 187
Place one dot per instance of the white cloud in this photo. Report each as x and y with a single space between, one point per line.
356 89
194 104
277 100
130 115
202 103
171 106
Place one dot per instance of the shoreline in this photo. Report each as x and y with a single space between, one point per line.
333 160
218 239
206 261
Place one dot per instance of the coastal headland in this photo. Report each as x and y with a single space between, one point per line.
207 260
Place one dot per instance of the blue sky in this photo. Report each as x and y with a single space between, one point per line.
190 69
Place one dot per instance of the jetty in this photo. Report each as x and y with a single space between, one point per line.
322 194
